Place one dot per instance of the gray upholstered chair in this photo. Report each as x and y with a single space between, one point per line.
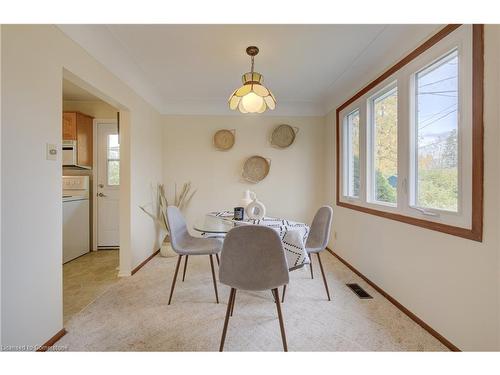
185 245
253 259
318 238
317 241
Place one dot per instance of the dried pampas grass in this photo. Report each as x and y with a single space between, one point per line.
181 201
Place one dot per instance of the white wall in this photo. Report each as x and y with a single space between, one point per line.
145 173
449 282
33 59
293 188
96 109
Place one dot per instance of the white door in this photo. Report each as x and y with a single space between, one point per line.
108 185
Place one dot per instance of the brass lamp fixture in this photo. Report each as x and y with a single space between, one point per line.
253 96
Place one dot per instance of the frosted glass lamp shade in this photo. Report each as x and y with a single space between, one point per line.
253 96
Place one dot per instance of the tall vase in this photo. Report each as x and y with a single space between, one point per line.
166 247
248 197
166 250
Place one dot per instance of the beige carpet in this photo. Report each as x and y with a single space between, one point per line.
133 315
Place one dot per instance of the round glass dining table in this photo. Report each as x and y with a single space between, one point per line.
210 224
292 234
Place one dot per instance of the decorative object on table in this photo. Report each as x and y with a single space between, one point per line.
253 96
256 168
239 213
283 136
248 197
256 210
224 139
159 215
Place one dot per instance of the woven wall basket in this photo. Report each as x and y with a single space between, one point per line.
224 139
256 168
283 136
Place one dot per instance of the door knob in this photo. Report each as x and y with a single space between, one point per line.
101 195
101 186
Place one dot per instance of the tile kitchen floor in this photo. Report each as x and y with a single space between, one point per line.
86 278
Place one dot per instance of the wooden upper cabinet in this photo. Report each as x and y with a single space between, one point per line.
84 139
69 126
78 127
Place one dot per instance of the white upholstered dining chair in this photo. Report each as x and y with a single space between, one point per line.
253 259
186 245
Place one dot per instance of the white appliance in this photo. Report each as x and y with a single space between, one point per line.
70 155
76 222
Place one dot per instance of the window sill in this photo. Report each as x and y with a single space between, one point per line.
471 234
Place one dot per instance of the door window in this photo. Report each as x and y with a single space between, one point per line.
113 160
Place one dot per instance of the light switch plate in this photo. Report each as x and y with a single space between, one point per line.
51 151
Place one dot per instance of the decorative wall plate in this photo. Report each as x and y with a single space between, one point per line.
224 139
256 168
283 136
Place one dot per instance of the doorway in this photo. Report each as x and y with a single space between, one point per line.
94 158
107 196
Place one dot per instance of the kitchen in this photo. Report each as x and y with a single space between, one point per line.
90 188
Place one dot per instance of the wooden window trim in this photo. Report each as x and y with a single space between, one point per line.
476 231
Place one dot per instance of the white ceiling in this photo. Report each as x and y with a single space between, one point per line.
73 92
192 69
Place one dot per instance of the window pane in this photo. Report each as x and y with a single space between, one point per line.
352 154
437 134
113 172
113 147
385 147
113 153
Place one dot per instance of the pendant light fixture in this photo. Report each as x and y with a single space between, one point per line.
253 96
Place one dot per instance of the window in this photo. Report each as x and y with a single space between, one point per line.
384 146
113 160
410 143
351 141
436 169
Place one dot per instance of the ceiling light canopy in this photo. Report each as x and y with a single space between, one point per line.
253 96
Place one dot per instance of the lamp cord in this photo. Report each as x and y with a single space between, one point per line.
251 73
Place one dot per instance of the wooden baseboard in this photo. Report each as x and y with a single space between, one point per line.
52 341
147 260
391 299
